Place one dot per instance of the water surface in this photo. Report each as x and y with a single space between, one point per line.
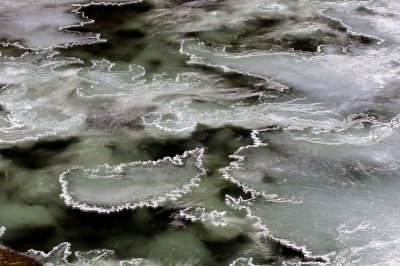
199 132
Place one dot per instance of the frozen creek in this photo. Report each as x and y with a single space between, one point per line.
200 132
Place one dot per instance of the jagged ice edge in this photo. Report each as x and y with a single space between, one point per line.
63 249
261 230
154 202
215 217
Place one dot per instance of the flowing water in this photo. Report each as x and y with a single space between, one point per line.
200 132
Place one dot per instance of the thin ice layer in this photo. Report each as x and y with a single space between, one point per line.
102 78
254 24
177 105
55 100
345 83
378 17
42 24
330 199
128 186
32 106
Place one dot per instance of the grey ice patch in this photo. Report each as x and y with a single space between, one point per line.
320 198
46 23
109 189
339 78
